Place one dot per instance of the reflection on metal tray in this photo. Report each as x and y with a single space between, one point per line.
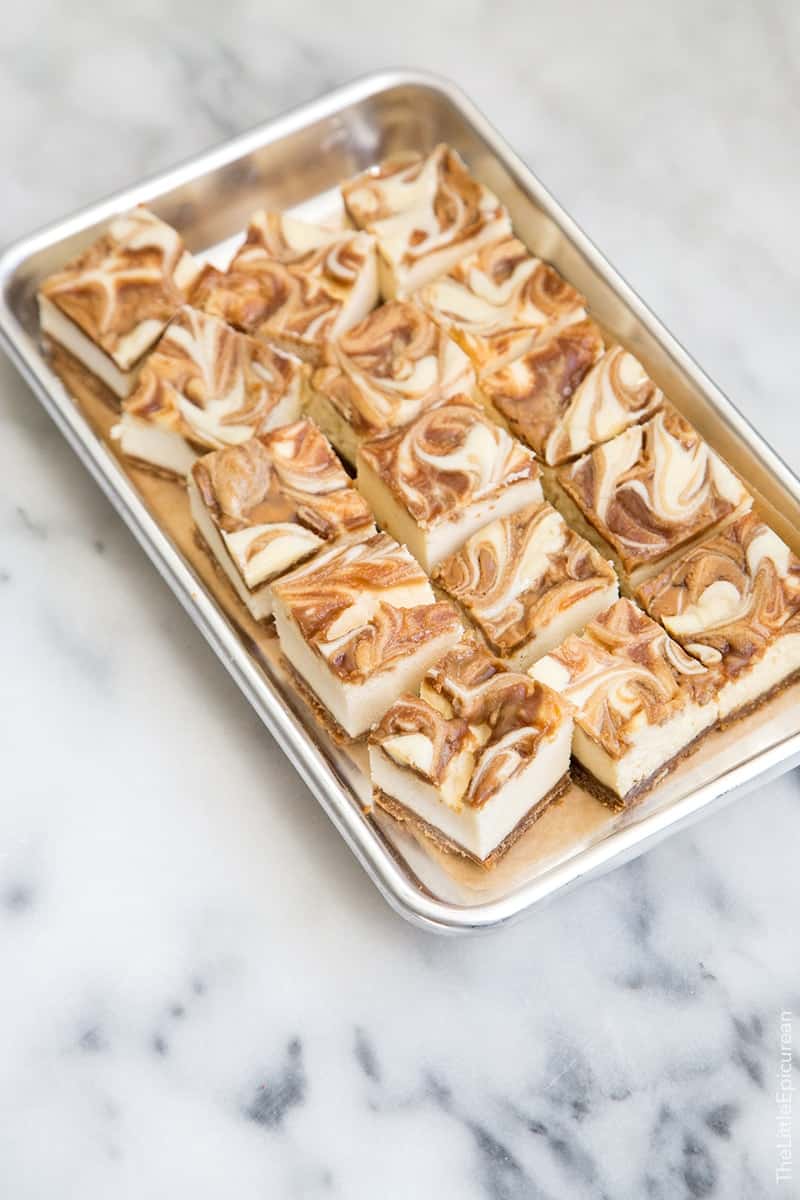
297 162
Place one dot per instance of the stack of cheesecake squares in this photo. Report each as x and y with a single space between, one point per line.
406 442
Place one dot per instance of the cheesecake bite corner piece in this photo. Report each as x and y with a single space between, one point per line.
495 303
435 481
381 374
733 602
358 626
206 386
527 581
648 494
642 704
426 212
476 758
265 506
107 307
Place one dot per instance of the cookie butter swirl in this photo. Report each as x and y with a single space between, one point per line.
210 384
518 573
289 278
623 673
390 367
364 605
653 487
278 497
447 458
123 290
616 393
730 597
495 302
418 206
534 392
474 727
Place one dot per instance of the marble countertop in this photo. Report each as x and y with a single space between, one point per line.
201 994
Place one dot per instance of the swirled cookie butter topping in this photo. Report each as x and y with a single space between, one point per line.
206 386
384 372
730 597
426 214
527 581
495 302
110 304
292 282
533 393
653 488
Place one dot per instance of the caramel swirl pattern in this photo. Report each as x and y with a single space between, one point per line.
495 302
364 605
289 280
418 206
534 392
474 727
212 385
625 672
447 458
390 367
616 393
123 290
653 487
729 598
520 572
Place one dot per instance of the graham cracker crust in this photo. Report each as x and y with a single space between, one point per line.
321 713
591 784
442 842
78 379
746 710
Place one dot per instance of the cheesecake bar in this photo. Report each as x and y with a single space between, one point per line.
435 481
733 601
205 386
533 393
616 393
268 504
642 703
496 302
475 758
527 581
426 212
110 305
648 494
359 625
382 374
293 283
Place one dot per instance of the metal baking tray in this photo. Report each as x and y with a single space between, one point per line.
297 162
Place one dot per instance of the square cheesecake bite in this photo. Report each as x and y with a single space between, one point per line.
426 212
733 601
641 702
382 374
495 302
436 480
527 581
294 283
109 306
649 493
206 386
475 758
358 625
268 504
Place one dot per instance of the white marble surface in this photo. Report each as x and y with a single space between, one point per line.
200 992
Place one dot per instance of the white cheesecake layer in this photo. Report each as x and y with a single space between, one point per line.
259 601
478 830
162 448
356 706
780 661
572 620
64 331
431 545
327 417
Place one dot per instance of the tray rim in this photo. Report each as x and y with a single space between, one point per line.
319 775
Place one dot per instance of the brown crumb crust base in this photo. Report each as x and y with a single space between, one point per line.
591 784
321 713
442 842
739 714
78 379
